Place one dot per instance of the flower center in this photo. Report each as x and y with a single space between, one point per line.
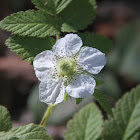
65 66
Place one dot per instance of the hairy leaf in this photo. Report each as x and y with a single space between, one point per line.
96 41
52 7
78 15
126 122
31 23
27 47
86 124
28 132
101 98
5 120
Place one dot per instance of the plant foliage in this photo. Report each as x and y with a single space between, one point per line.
52 7
101 98
5 120
27 132
96 41
78 15
30 131
31 23
126 121
27 47
86 124
53 17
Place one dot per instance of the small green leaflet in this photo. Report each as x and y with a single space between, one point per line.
86 124
98 82
78 100
27 47
52 7
101 98
27 132
96 41
31 23
78 15
5 120
126 122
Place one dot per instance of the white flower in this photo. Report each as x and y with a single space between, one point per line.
67 68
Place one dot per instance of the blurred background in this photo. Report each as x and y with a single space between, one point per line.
117 20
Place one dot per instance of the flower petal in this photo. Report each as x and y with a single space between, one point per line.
44 65
68 45
52 91
91 60
81 86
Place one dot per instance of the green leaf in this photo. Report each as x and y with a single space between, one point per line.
78 100
5 120
30 131
96 41
7 136
78 15
101 98
98 82
52 7
31 23
27 47
86 124
126 122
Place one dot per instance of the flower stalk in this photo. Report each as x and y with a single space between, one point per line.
46 115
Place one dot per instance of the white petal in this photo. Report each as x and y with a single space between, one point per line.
52 91
68 45
44 65
91 60
45 74
81 86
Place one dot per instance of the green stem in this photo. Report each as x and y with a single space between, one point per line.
46 115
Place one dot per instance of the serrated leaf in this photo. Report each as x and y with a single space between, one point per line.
30 131
101 98
13 138
78 100
126 120
5 120
78 15
86 124
52 7
96 41
27 47
31 23
7 136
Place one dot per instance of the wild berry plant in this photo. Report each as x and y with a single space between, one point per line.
65 66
